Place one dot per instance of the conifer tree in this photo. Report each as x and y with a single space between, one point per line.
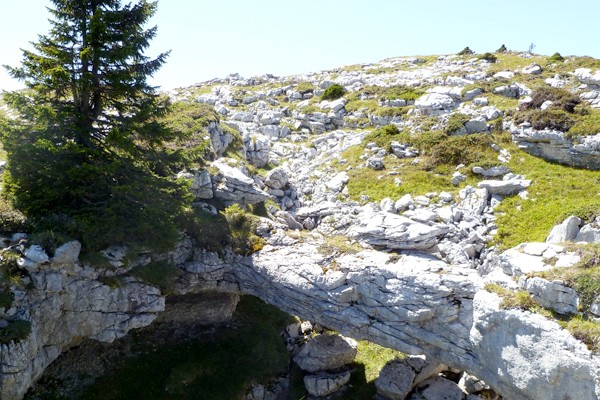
85 144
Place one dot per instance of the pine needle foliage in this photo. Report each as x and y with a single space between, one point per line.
87 142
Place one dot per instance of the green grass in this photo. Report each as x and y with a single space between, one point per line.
587 124
519 299
556 191
512 61
370 359
220 367
159 273
439 157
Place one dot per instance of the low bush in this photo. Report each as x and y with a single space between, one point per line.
383 136
11 219
232 227
6 298
456 122
489 57
502 49
333 92
15 331
466 52
546 119
466 150
556 57
561 98
158 273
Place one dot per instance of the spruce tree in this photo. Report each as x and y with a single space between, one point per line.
85 145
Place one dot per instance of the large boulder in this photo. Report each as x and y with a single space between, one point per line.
437 388
326 353
434 103
232 186
589 233
554 295
277 178
566 231
321 385
399 376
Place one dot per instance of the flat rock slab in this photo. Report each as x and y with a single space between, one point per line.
393 231
505 188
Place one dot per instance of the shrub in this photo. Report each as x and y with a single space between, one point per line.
11 219
159 273
488 57
466 52
232 227
460 150
6 298
556 57
560 97
383 136
502 49
546 119
456 122
333 92
15 331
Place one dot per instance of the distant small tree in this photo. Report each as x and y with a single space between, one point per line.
87 144
531 48
556 57
502 49
466 52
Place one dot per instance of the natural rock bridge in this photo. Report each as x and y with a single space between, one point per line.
411 302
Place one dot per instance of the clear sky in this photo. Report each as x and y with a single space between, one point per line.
211 39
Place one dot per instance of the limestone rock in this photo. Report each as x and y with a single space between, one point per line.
67 253
258 150
505 187
399 376
394 231
589 233
201 184
471 384
277 178
437 388
220 139
395 380
492 172
555 295
586 76
553 146
326 352
232 186
325 384
433 103
566 231
36 254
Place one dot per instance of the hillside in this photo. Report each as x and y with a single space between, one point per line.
445 206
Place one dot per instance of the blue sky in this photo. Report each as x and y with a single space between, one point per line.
211 39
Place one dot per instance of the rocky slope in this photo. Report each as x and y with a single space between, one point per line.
411 272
